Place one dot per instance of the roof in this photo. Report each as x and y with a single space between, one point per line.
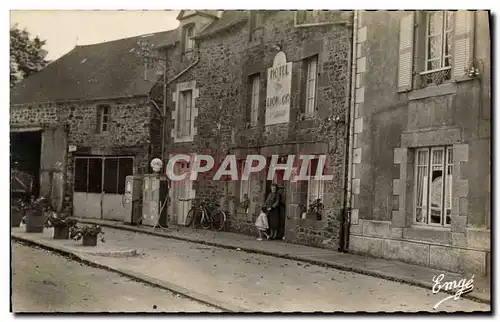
99 71
228 19
210 13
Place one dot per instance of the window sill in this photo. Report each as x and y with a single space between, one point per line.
183 139
432 91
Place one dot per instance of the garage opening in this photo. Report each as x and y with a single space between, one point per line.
25 151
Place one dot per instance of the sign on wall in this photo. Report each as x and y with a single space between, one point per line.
279 86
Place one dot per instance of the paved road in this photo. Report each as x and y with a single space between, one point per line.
46 282
265 283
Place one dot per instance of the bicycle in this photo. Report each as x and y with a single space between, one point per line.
208 212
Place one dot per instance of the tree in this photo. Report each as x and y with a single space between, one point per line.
27 55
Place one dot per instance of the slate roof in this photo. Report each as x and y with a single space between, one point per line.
228 19
99 71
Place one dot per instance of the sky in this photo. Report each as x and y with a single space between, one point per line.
63 29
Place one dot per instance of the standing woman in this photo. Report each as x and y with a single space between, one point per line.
272 206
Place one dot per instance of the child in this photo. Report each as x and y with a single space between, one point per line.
262 224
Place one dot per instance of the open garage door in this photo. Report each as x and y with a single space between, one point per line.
100 186
53 164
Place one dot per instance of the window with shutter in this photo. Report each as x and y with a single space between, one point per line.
405 68
439 30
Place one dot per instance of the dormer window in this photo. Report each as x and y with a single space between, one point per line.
189 33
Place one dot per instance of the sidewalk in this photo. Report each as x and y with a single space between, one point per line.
238 281
381 268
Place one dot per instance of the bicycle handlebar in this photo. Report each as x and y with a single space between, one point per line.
202 200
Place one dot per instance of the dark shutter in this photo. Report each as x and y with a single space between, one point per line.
405 65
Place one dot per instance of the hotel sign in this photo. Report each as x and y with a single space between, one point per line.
279 86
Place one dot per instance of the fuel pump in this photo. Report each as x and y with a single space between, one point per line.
155 195
132 200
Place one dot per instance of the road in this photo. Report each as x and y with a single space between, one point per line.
46 282
255 282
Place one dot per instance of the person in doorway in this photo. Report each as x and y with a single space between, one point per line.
272 206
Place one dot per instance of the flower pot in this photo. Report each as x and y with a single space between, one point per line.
34 223
16 216
61 232
89 240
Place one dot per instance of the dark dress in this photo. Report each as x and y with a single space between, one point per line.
273 202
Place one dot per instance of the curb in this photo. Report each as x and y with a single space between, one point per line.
176 289
476 297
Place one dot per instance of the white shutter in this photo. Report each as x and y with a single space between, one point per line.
405 66
463 42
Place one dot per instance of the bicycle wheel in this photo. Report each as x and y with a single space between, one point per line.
218 219
198 215
205 221
190 216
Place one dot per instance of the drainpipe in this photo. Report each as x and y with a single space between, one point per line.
345 219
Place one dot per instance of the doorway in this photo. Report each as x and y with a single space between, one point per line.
25 153
282 190
99 186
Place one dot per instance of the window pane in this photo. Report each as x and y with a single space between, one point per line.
449 184
449 20
81 173
422 157
95 175
436 194
180 114
110 175
125 168
435 22
422 160
434 49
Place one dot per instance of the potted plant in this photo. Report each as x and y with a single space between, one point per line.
316 209
35 215
17 210
61 225
87 234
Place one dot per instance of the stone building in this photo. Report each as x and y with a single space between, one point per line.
85 122
217 96
421 141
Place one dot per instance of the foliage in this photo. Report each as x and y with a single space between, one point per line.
77 233
36 207
58 220
27 55
316 206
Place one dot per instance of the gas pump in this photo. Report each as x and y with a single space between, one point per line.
155 194
132 200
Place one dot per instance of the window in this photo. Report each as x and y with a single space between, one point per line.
318 17
315 188
435 47
439 40
189 33
244 184
184 114
102 118
102 174
256 24
311 189
254 99
311 72
433 185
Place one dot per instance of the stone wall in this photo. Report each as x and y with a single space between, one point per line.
393 124
129 130
226 60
